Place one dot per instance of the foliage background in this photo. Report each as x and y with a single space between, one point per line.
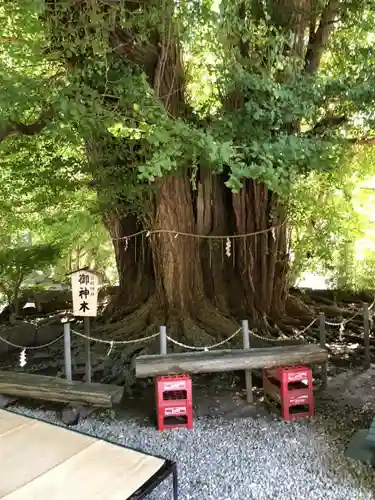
48 186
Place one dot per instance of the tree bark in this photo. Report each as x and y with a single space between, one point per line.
179 282
263 257
318 37
183 274
214 219
133 260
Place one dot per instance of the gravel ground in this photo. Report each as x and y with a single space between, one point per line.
259 458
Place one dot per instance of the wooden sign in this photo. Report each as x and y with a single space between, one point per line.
85 288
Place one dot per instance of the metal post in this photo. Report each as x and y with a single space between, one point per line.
86 324
67 352
163 340
248 375
366 335
322 331
175 482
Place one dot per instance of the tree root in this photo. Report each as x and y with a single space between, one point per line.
204 326
130 325
195 335
210 319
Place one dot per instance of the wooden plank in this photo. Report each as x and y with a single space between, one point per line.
59 390
227 360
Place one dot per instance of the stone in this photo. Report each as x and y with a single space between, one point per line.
70 416
84 411
6 401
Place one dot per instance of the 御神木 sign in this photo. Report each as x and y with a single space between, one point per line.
85 287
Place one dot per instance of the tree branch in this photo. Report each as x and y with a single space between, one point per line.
364 140
318 39
11 39
331 122
18 128
326 124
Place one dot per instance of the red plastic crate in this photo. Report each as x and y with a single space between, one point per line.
290 387
173 394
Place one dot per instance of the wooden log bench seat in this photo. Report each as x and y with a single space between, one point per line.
27 385
227 360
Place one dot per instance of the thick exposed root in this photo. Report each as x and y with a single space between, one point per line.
130 325
213 321
296 308
194 335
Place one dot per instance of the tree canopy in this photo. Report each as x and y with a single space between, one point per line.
262 113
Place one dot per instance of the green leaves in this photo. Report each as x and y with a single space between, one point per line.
331 215
259 105
16 263
245 108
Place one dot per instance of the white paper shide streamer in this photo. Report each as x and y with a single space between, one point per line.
23 358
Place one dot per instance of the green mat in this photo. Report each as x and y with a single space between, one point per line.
361 448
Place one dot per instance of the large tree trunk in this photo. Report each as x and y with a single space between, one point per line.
213 220
133 260
177 267
262 257
187 282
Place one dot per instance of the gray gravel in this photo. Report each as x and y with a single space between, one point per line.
244 459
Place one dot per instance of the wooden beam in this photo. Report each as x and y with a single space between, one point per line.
227 360
58 390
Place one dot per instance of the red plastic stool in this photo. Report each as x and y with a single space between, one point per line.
174 401
291 387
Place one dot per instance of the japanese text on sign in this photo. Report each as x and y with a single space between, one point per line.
85 293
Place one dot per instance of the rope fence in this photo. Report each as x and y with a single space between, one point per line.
31 348
345 321
206 348
164 339
227 240
115 342
175 233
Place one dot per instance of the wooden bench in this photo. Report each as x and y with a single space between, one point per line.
227 360
26 385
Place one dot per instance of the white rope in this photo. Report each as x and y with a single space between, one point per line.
115 342
261 337
30 347
307 327
207 348
270 339
345 321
